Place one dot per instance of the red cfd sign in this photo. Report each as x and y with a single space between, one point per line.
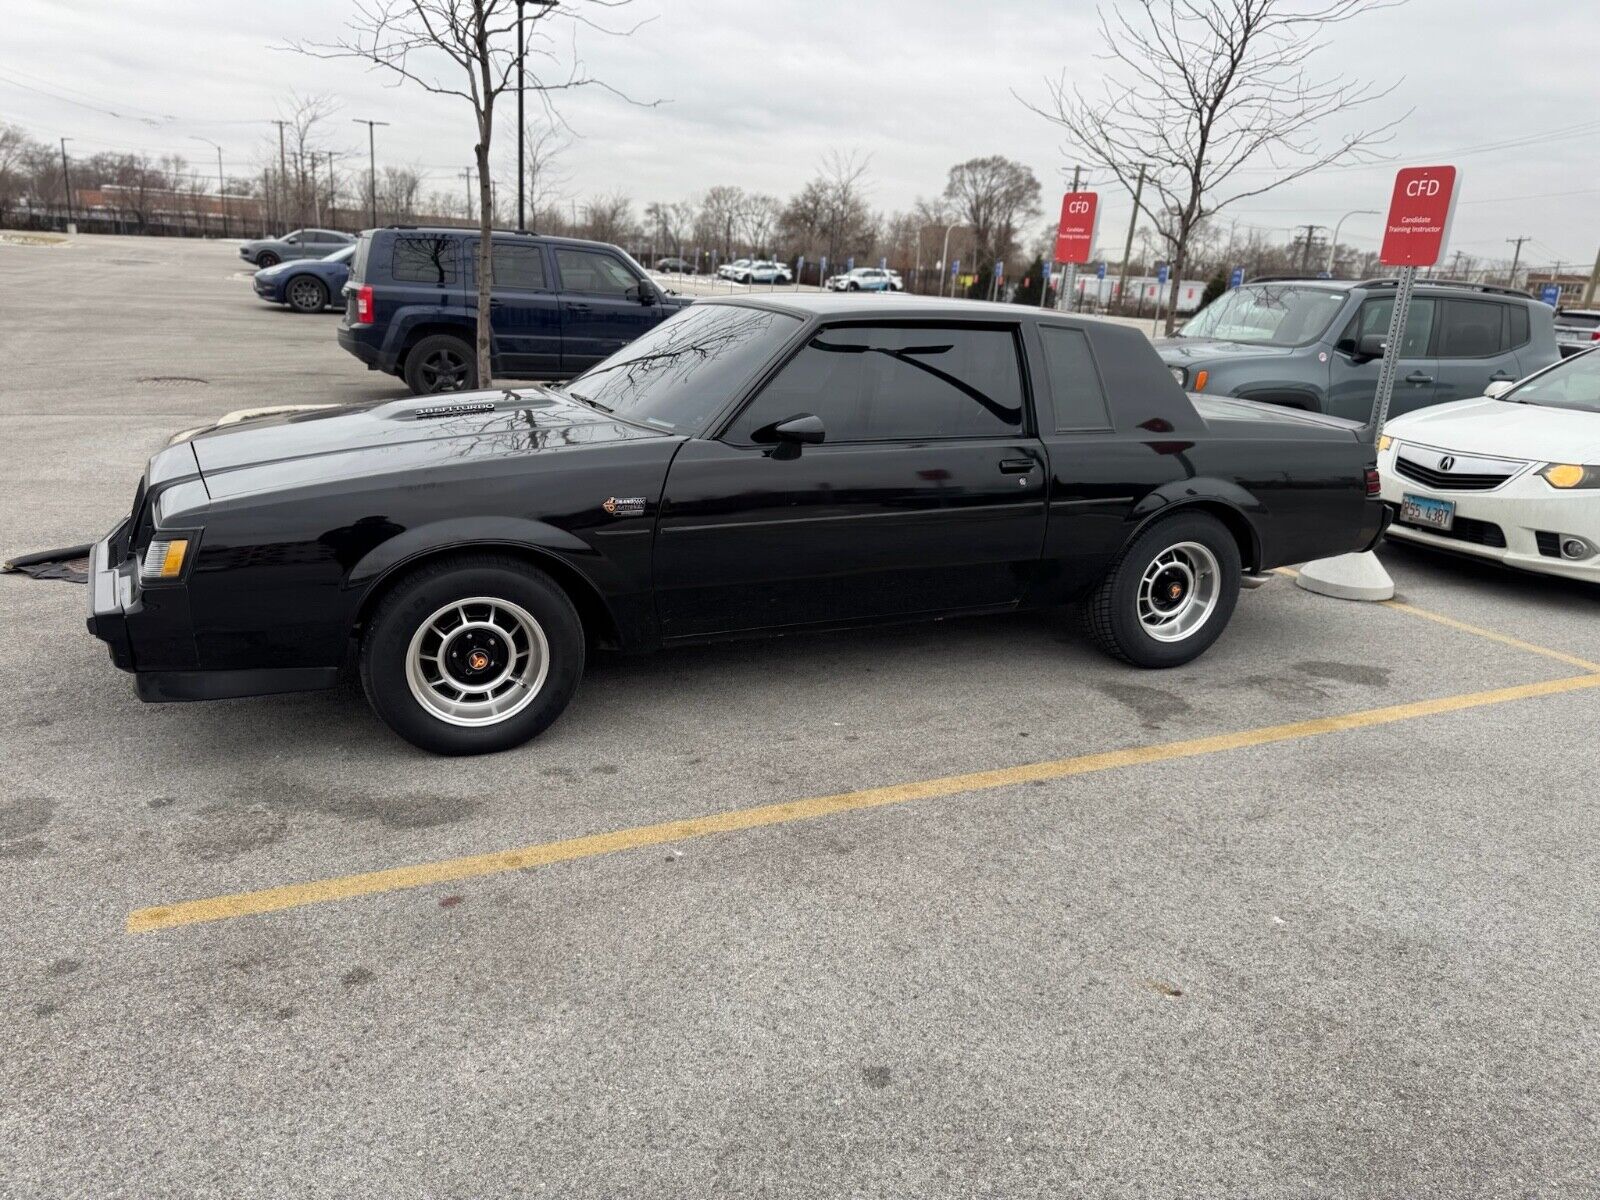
1075 234
1419 217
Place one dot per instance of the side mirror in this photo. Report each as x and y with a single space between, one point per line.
788 435
645 291
1370 347
1499 388
291 240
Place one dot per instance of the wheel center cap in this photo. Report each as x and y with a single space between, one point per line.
477 660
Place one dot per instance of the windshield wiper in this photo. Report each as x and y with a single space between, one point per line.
594 404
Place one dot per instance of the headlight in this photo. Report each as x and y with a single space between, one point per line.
1570 475
1384 442
1181 375
164 559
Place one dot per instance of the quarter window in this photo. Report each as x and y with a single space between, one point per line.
1517 333
1080 398
592 272
425 260
883 383
1471 329
520 267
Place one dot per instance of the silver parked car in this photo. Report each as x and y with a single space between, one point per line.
1577 329
302 243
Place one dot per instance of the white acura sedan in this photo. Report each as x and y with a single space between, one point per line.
1513 475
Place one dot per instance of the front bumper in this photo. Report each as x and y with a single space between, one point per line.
1516 514
267 290
111 592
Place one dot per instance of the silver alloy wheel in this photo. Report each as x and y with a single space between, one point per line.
1178 591
306 294
478 661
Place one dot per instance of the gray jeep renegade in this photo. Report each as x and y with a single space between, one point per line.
1315 344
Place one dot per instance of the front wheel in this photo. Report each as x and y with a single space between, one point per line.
307 294
1170 594
471 655
852 287
441 363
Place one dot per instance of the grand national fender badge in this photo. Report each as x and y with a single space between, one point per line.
624 506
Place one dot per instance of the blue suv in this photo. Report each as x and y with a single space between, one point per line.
559 305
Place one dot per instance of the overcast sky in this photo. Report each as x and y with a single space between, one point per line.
755 92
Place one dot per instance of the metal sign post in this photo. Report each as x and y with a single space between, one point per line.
1414 236
1067 288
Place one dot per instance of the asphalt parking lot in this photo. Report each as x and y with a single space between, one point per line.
963 909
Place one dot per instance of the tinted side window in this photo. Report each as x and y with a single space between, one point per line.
1080 399
425 260
1471 329
1374 319
517 266
592 272
878 384
1517 333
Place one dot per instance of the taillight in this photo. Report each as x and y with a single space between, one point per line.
1374 484
364 305
1595 336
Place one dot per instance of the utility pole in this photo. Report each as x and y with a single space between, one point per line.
283 166
1305 251
266 201
1516 257
1594 283
333 193
372 170
66 179
1127 247
467 175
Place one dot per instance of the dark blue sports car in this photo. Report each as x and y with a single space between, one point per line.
306 285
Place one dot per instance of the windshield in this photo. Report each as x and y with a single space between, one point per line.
1267 314
344 255
1574 383
677 376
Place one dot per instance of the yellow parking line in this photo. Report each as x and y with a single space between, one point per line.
298 895
1503 639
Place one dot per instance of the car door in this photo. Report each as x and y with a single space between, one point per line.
601 309
1474 349
1352 382
926 496
525 311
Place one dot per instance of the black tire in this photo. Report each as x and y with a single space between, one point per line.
747 279
852 286
1131 627
267 259
403 617
306 294
441 362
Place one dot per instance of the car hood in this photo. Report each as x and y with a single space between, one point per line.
400 436
1182 352
1503 429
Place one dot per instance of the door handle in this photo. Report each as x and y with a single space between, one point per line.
1016 466
1419 377
1501 377
574 307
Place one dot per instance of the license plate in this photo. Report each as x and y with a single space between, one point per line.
1427 512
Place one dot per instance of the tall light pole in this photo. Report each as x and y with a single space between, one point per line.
372 169
522 135
222 195
944 258
1333 245
66 178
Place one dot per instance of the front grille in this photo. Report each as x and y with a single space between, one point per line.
1465 529
1447 481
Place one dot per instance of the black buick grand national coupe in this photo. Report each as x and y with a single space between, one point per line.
768 464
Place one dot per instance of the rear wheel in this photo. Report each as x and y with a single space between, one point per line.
267 259
307 294
1170 594
471 655
441 362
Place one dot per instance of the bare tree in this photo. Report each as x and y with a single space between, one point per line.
1203 93
467 49
992 195
759 220
830 213
721 215
609 218
669 224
